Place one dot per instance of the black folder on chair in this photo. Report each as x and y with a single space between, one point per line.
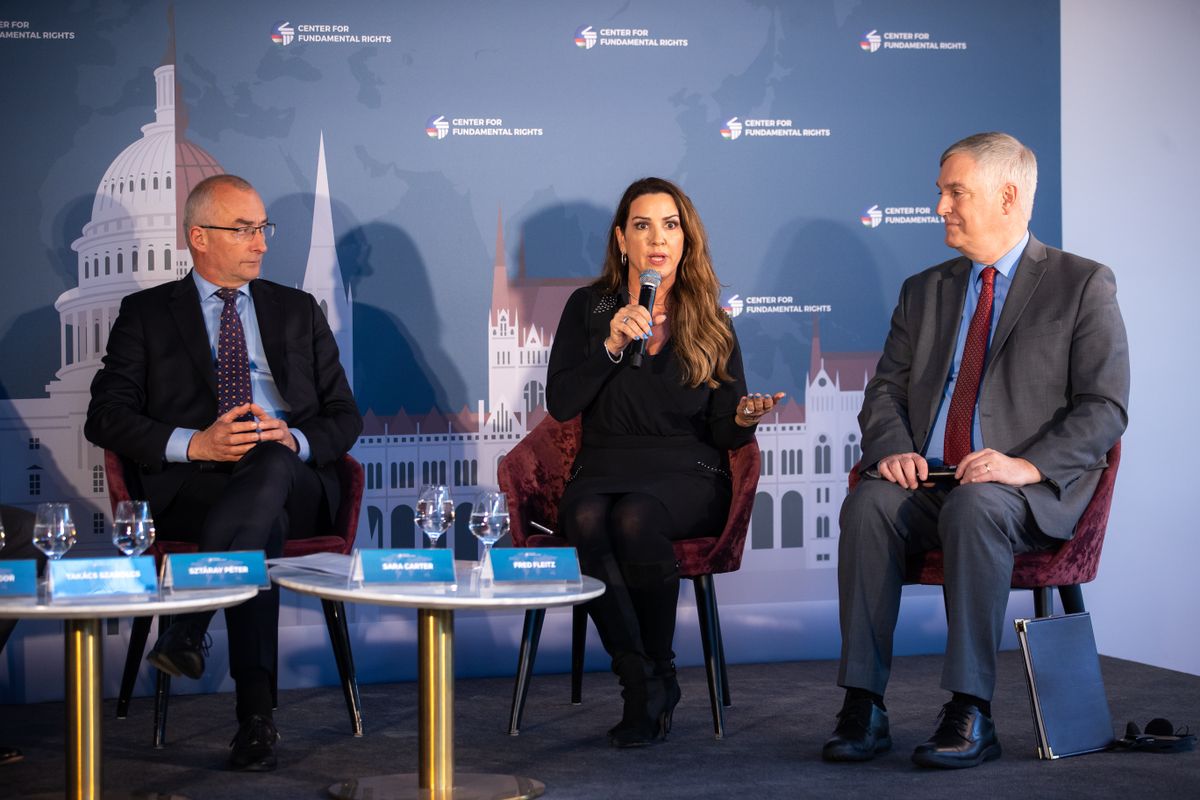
1066 690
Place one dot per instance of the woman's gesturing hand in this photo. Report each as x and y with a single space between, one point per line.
752 407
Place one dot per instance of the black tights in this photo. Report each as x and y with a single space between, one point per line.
625 541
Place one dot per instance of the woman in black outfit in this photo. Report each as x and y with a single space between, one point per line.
653 465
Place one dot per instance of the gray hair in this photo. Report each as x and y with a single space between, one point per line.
1001 159
199 200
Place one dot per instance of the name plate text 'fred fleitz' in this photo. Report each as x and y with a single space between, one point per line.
215 570
18 578
79 578
373 567
552 565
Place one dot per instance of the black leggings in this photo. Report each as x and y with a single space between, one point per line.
625 541
633 527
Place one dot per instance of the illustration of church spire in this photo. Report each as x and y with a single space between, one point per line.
323 273
192 163
500 289
815 362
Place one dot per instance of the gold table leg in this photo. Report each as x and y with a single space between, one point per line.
435 700
84 697
435 779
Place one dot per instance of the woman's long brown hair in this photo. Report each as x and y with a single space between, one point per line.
700 329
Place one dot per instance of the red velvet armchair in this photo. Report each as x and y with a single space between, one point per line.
533 475
123 485
1075 563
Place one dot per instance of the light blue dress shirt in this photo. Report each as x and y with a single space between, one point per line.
262 384
1006 270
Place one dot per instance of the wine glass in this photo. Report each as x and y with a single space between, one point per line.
133 527
489 520
435 511
53 529
1 534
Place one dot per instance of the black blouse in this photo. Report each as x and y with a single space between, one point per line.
617 400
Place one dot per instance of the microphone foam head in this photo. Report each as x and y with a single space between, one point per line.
649 278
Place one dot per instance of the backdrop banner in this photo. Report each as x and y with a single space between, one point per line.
443 175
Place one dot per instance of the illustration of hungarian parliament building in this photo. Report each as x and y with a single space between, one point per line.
134 240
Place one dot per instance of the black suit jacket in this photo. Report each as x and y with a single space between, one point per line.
158 375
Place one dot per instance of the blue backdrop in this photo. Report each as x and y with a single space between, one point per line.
442 174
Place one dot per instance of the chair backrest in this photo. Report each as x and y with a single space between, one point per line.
353 481
114 479
712 557
1078 560
534 473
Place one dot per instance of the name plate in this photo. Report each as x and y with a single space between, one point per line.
216 570
553 565
18 578
402 566
79 578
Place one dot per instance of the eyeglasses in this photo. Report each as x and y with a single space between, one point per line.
244 232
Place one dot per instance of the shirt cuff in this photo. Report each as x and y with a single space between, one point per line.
304 451
177 445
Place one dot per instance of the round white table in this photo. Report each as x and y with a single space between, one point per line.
435 778
84 690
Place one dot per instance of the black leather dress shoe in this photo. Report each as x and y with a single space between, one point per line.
9 755
180 651
965 737
861 733
253 747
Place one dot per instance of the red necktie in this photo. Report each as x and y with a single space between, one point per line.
966 387
233 364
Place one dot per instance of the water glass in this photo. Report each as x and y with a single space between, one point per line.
1 534
489 519
53 529
133 527
435 511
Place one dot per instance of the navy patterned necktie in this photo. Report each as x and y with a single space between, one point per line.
960 418
233 363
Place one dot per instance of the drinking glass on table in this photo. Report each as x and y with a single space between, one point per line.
1 534
133 527
489 520
435 511
53 529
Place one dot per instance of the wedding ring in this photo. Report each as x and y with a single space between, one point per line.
747 411
624 320
987 466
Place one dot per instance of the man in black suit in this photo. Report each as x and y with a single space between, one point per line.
226 391
1010 364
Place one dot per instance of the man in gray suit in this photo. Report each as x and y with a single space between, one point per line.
1010 365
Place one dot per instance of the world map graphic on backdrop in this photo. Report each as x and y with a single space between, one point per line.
441 190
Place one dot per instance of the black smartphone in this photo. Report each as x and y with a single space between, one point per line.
942 473
937 473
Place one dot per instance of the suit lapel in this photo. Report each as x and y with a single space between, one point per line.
1030 269
271 330
185 311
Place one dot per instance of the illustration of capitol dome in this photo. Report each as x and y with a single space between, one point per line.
135 236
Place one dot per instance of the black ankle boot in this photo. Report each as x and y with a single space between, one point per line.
645 703
664 671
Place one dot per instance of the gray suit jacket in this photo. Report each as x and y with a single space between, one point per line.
1055 384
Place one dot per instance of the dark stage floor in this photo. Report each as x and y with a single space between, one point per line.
781 715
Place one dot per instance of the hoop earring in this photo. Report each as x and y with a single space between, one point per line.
624 260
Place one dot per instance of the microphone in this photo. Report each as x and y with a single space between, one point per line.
649 279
